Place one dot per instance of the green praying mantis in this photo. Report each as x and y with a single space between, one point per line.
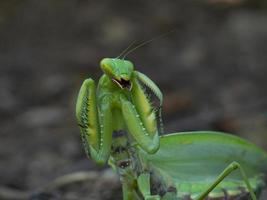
119 125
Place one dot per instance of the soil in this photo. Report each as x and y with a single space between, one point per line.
211 68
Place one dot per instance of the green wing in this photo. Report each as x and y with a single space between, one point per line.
195 159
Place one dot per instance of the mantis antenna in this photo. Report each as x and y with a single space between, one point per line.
126 49
146 80
146 42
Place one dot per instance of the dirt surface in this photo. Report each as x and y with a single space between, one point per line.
211 69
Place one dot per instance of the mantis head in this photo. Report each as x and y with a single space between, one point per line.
119 71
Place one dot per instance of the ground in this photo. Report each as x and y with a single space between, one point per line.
211 69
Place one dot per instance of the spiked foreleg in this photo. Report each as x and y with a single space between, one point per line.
146 112
155 90
96 143
87 117
105 130
147 141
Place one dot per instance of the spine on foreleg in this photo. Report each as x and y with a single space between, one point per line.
144 108
86 114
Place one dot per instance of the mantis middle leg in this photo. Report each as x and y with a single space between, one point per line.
129 194
144 185
143 182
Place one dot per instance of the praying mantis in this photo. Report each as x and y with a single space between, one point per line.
119 125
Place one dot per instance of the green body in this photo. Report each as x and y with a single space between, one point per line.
118 122
119 103
195 159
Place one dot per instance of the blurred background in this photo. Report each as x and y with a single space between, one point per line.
211 69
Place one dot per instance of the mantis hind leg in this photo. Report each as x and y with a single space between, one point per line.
228 170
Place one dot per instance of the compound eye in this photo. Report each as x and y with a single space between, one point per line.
107 66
